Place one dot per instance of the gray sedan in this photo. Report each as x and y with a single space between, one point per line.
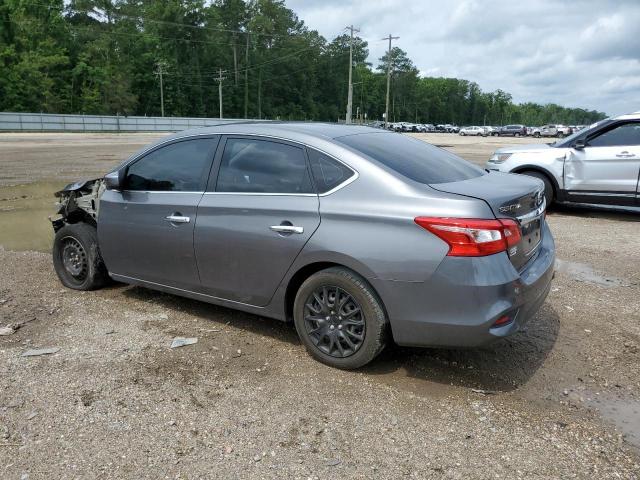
357 235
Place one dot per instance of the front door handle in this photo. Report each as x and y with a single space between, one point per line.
287 229
177 218
625 154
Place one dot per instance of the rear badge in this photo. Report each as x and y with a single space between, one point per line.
513 251
509 208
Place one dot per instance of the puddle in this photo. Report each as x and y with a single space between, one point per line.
582 272
24 212
623 413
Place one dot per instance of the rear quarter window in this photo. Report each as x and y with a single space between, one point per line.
417 160
327 172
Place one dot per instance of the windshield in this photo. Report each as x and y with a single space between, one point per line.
568 141
415 159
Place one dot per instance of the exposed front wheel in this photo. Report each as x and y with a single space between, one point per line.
340 319
76 257
548 187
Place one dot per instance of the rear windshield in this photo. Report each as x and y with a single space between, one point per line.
415 159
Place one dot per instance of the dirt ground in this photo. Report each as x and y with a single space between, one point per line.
560 399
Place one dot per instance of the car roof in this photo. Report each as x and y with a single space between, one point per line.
291 130
314 134
629 116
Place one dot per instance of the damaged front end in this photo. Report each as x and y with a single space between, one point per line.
79 202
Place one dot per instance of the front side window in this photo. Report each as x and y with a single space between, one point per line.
178 167
412 158
626 134
327 172
263 166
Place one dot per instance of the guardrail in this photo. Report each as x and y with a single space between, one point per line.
47 122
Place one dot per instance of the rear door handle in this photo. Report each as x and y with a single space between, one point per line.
177 219
625 154
287 229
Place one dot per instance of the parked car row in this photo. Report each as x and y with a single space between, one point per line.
513 130
417 127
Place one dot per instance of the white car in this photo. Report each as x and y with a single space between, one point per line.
473 131
599 164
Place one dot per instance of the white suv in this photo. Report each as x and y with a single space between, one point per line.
599 164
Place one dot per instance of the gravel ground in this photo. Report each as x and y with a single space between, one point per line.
559 400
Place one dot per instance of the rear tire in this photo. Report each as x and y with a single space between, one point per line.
549 193
77 259
340 319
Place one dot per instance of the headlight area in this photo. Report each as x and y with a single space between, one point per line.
499 157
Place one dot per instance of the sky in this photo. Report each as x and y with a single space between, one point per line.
576 53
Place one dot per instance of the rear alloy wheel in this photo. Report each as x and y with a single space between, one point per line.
339 318
76 257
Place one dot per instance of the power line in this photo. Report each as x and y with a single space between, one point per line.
165 22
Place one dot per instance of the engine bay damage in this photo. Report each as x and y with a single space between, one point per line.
78 202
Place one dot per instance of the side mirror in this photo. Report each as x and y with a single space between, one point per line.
579 144
113 181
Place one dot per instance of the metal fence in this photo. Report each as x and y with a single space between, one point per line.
46 122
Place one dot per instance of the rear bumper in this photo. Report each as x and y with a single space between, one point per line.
459 304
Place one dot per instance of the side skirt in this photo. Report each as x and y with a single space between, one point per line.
262 311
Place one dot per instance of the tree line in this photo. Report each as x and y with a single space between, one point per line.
107 56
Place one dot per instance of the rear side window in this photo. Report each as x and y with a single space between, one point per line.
263 166
178 167
327 172
415 159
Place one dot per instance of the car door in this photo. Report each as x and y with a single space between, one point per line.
145 230
606 170
255 218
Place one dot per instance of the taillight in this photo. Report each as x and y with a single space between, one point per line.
469 237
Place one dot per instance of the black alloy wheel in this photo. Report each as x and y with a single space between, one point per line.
334 321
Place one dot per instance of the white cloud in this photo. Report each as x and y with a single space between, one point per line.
581 53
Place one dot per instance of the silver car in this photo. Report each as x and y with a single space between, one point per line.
595 165
357 235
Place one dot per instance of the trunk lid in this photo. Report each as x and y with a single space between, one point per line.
510 196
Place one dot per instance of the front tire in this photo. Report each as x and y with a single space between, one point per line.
549 193
340 319
76 257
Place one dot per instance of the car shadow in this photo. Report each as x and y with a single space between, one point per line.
500 367
216 314
621 214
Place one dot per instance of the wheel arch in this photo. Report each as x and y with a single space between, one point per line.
305 271
543 171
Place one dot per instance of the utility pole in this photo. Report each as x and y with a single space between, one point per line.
160 70
260 93
389 62
350 93
219 80
246 81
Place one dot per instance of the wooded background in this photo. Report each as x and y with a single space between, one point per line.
103 57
